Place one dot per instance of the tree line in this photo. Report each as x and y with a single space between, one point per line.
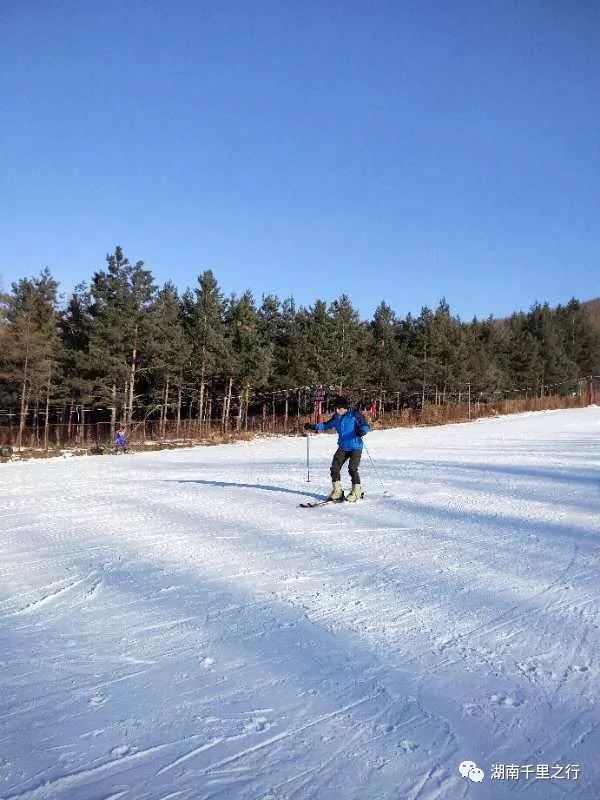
122 348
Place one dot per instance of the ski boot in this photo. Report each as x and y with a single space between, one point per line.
337 493
355 494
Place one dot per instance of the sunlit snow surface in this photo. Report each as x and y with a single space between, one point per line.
172 625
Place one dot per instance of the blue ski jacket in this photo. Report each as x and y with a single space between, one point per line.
348 426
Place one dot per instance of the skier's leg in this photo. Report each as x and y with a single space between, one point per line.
353 465
339 457
356 492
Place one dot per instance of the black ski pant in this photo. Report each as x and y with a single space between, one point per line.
339 459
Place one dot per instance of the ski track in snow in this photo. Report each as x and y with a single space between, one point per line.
172 625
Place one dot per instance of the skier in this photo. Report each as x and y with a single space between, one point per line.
351 426
120 440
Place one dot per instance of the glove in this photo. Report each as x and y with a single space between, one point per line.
308 426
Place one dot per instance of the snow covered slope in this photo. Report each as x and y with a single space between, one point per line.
172 625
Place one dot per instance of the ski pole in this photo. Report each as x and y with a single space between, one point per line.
307 458
385 491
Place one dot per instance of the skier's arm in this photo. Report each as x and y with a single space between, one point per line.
362 426
325 426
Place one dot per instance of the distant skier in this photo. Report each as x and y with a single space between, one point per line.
120 440
351 426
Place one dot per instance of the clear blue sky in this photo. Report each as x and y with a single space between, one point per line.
392 150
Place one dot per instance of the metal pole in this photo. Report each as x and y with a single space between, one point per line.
307 458
385 491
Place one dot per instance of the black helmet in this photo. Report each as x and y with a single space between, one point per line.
341 402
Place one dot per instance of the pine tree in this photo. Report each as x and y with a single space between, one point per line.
556 366
421 352
525 362
312 360
278 323
443 338
170 352
250 351
121 298
350 342
410 336
203 316
78 379
32 346
485 359
383 358
581 340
